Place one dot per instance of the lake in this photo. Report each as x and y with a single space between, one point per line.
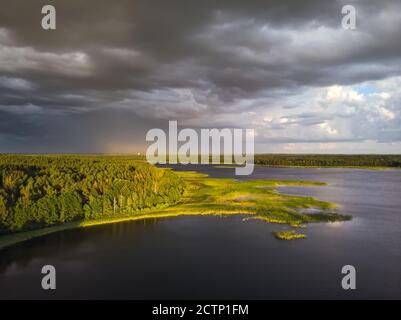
215 257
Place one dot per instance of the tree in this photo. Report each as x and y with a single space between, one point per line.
70 207
3 210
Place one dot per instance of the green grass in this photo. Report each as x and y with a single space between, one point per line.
256 197
204 195
289 235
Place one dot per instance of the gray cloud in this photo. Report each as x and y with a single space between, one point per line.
112 70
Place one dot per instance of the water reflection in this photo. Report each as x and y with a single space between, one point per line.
211 257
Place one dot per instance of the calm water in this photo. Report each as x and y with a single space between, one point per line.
214 257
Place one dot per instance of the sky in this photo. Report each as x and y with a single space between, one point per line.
112 70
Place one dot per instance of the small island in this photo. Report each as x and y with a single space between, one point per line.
289 235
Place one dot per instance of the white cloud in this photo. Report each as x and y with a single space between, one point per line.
13 58
387 113
327 129
338 93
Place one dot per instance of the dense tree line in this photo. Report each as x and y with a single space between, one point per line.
38 191
329 160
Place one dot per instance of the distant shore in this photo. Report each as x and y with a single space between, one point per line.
330 167
233 166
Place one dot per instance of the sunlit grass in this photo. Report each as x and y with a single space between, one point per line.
289 235
257 197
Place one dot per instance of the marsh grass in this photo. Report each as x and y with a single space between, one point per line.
289 235
256 197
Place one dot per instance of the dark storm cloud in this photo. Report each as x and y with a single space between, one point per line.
188 60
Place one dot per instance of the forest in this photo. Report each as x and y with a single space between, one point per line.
37 191
327 160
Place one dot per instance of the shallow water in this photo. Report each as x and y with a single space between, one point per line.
214 257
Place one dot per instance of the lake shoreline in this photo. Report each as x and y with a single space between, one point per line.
215 196
13 239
